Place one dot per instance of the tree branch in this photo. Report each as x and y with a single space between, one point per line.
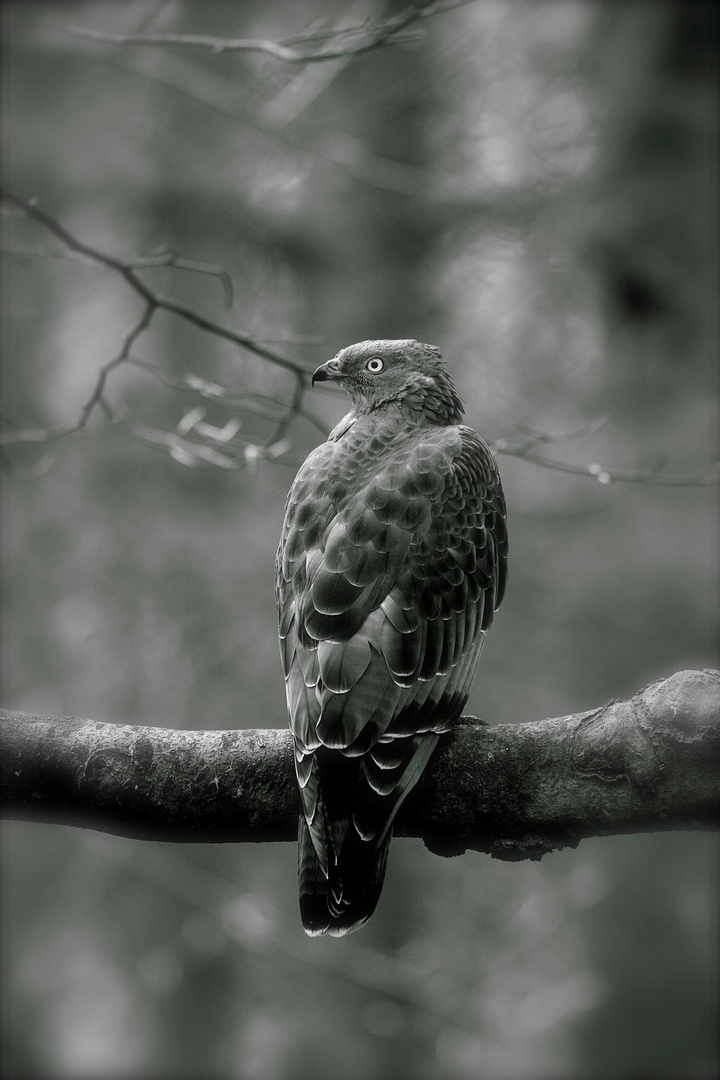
604 475
241 453
516 790
188 453
127 268
338 43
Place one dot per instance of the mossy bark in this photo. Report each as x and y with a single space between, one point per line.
515 790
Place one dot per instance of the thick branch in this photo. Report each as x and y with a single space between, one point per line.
515 791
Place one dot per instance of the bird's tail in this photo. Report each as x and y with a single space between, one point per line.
343 900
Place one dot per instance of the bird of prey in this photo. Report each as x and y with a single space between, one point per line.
391 563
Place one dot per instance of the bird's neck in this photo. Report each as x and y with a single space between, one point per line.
427 401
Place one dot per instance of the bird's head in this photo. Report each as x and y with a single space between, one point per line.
378 373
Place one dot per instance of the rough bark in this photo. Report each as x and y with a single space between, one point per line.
515 790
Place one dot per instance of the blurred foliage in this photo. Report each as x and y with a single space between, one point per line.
531 187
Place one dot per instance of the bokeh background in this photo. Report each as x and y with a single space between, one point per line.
530 186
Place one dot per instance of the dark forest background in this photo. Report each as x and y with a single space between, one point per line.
531 186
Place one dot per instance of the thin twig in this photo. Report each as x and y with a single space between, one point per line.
348 153
127 270
46 253
610 475
166 257
96 397
152 303
183 311
278 436
190 452
392 31
534 435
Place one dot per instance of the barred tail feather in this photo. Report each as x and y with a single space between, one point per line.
313 884
341 902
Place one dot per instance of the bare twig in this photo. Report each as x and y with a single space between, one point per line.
127 270
168 257
525 449
534 435
153 302
338 43
164 257
190 452
96 397
348 153
607 476
278 435
36 251
183 449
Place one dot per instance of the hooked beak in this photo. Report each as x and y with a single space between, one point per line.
331 370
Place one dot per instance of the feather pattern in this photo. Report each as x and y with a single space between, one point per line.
392 561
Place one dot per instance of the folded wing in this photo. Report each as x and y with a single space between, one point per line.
385 591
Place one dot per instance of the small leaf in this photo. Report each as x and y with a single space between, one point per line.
209 389
252 454
219 435
179 454
278 448
189 420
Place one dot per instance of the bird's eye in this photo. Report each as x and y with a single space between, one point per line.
375 365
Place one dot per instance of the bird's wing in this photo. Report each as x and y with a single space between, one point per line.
384 600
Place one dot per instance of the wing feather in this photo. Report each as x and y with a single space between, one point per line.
387 579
